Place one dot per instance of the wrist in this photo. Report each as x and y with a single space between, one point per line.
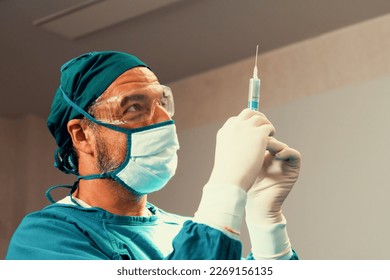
224 179
269 240
222 206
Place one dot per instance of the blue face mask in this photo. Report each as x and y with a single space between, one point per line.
151 157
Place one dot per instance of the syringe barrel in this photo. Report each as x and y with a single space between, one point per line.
254 94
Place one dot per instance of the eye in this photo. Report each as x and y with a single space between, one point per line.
134 108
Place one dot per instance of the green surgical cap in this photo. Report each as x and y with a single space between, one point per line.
83 80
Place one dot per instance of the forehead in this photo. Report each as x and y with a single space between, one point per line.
138 77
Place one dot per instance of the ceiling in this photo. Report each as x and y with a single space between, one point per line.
179 39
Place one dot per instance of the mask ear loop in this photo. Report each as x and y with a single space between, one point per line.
72 190
48 195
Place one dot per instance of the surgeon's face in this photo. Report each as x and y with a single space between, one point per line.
134 99
110 145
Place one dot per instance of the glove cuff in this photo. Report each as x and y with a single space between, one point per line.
222 207
269 241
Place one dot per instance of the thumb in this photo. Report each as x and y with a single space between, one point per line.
283 152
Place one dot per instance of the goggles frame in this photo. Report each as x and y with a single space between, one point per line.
116 109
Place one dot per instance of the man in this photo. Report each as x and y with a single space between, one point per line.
112 122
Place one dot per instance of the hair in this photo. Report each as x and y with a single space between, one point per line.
74 156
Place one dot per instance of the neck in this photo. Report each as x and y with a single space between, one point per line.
112 197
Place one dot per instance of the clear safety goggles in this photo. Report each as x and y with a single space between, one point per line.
133 106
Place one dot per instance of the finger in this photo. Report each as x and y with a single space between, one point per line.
258 120
282 151
268 158
229 121
275 146
289 154
268 129
248 113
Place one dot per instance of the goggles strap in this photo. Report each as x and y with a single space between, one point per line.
110 126
84 113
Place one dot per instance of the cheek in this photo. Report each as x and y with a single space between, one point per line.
117 145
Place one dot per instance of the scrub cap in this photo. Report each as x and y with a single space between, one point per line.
83 80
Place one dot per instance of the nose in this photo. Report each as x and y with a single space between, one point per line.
160 114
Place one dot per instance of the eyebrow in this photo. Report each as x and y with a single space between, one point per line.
133 97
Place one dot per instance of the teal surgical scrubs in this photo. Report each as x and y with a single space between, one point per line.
68 231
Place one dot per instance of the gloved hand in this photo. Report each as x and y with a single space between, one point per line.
241 144
239 155
265 221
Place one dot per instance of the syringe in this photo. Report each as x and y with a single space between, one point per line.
254 88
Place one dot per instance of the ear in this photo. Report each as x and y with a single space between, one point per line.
82 136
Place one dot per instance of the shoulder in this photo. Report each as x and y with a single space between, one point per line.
56 218
44 220
55 232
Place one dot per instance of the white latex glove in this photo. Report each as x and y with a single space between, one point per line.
265 221
239 155
241 144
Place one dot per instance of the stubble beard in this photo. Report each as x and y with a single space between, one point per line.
105 163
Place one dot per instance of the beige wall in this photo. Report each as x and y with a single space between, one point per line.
26 171
334 60
327 97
